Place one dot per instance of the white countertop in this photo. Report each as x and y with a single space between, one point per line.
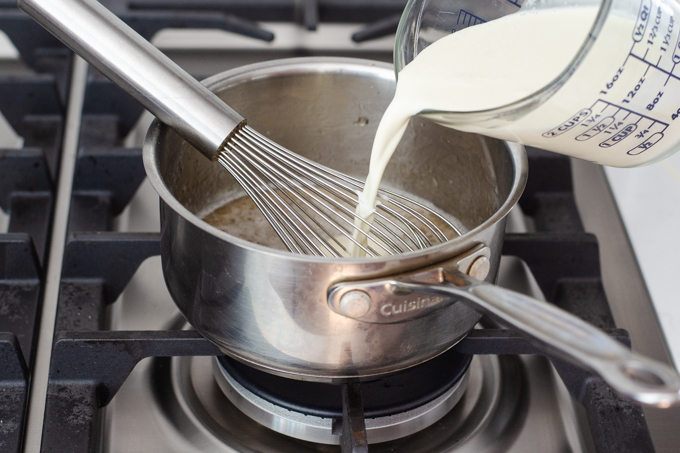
649 203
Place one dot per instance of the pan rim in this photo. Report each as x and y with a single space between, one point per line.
242 74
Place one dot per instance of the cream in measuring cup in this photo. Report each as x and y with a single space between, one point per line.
617 108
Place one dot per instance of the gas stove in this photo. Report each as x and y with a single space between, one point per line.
96 356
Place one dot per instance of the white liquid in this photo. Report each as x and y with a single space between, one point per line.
477 68
620 107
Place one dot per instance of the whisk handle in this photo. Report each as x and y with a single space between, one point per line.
135 65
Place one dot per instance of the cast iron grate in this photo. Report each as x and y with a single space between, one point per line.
20 297
241 16
32 99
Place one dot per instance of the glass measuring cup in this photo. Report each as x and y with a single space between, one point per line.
616 103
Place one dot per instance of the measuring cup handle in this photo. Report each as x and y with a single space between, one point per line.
633 375
136 66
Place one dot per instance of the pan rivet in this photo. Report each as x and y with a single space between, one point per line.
355 303
480 268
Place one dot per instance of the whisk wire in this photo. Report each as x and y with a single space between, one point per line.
318 201
287 230
289 187
416 237
296 228
313 208
356 184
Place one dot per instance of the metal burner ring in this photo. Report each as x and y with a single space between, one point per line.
320 429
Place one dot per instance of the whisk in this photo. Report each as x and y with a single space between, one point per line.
311 208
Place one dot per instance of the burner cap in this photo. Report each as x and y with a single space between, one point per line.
390 395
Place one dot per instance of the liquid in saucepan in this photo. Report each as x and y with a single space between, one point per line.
240 217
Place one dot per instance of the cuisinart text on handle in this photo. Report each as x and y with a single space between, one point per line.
406 306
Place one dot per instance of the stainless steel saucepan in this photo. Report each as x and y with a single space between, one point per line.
326 318
322 318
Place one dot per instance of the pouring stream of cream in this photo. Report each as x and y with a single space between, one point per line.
477 68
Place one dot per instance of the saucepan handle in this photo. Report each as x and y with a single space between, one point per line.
565 335
136 66
638 377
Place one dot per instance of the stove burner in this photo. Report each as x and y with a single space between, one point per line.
483 412
394 394
326 429
395 406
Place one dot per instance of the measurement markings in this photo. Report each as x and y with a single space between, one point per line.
630 52
593 131
631 111
622 134
618 132
669 77
606 122
644 146
656 67
468 19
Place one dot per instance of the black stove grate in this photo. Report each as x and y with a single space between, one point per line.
32 98
20 297
240 16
